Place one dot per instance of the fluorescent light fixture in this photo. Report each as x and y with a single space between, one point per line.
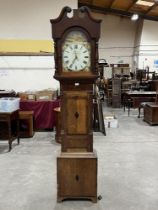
134 17
145 3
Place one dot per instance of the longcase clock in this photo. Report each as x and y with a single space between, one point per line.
76 59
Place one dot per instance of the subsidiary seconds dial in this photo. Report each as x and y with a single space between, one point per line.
76 57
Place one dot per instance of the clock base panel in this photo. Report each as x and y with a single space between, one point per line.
77 176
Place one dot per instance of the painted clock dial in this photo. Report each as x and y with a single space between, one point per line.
76 52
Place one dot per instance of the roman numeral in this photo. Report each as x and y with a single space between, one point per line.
85 51
85 62
70 66
86 56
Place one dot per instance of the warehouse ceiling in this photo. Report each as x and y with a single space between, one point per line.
146 9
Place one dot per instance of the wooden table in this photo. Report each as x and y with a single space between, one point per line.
135 98
43 112
9 127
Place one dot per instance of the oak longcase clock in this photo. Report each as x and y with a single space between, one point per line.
76 59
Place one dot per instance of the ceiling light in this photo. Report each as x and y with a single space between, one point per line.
145 3
134 17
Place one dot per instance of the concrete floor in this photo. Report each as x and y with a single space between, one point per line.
127 172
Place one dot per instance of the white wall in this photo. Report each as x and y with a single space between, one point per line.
29 19
27 73
137 42
21 19
148 50
117 38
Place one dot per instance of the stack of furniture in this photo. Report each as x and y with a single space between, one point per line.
116 92
120 70
109 92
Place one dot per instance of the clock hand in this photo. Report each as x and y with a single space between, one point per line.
73 61
76 58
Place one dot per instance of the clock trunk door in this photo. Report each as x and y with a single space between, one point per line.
77 120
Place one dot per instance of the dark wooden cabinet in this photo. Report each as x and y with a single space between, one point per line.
116 92
151 113
9 127
120 70
154 85
77 176
26 124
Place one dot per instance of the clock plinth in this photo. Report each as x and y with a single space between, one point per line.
76 60
77 176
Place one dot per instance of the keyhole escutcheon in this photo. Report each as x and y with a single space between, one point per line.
76 115
77 178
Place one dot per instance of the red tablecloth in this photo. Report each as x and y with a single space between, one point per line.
44 115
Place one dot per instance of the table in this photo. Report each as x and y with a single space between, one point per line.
9 127
44 116
140 93
135 98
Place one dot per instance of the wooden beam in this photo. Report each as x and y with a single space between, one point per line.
111 3
92 1
25 54
131 5
117 12
152 7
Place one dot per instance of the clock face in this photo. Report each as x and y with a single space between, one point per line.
76 52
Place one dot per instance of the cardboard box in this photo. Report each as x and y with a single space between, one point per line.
111 123
46 95
23 96
31 96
